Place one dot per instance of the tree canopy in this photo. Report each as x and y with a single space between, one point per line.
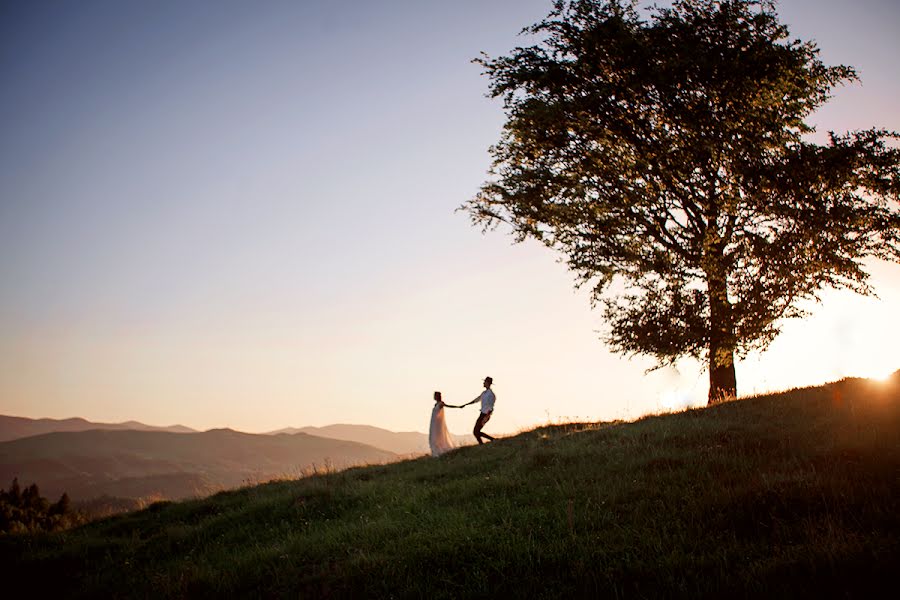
668 158
28 511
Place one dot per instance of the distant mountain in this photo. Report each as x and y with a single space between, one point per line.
160 464
402 442
13 428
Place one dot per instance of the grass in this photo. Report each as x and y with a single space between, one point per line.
789 495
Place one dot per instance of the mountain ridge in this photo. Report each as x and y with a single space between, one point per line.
399 442
404 443
139 464
13 427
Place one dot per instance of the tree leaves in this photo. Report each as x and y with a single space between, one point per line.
669 153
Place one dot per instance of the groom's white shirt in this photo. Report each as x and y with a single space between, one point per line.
487 401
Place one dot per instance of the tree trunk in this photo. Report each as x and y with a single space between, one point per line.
722 378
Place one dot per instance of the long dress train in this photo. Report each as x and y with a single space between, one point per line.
438 437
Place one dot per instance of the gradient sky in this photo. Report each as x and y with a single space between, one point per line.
241 214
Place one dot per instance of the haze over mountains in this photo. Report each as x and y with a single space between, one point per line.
137 461
399 442
12 428
162 464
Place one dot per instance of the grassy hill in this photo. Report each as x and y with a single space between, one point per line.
135 464
789 495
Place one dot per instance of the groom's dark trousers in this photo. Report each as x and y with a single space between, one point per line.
482 419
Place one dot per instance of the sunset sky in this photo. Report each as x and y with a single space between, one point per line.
242 214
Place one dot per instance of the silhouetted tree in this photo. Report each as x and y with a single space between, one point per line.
22 512
63 506
14 495
32 499
670 155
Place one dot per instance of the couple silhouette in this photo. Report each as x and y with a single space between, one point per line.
439 438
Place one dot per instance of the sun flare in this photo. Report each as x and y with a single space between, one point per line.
882 375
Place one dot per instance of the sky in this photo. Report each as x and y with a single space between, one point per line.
235 214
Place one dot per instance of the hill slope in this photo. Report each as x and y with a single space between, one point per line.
13 428
789 495
134 464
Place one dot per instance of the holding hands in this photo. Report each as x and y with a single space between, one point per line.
438 429
437 398
461 405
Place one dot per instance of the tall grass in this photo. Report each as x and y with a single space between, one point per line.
788 495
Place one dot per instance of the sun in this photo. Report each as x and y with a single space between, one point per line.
882 375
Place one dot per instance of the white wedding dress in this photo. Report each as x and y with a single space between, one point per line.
438 437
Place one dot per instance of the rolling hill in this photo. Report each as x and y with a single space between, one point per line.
12 428
787 495
157 464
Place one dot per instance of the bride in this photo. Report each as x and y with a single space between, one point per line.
438 436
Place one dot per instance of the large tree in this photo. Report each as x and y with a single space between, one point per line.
668 159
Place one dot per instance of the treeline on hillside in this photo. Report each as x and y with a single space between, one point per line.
24 511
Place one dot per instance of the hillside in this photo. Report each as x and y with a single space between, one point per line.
12 428
788 495
398 442
136 464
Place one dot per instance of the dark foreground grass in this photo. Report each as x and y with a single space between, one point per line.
790 495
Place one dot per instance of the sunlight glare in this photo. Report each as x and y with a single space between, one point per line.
675 400
882 375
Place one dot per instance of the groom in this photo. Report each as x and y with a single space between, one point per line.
487 398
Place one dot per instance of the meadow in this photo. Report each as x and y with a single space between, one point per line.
794 494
